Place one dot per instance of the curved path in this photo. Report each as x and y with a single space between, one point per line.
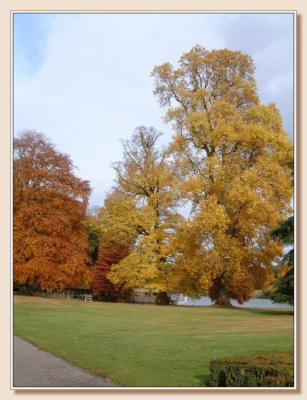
36 368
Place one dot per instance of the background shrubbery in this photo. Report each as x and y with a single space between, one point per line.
272 369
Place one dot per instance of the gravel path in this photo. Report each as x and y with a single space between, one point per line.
37 368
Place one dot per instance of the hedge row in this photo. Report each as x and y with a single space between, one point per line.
270 369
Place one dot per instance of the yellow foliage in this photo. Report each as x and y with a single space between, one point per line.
141 211
232 156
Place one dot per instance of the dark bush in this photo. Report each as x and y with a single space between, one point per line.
162 298
270 369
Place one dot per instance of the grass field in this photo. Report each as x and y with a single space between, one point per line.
148 345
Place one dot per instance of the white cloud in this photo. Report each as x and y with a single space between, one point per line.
94 86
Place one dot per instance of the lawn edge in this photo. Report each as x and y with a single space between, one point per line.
95 375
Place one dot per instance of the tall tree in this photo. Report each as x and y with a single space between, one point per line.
50 239
233 160
145 203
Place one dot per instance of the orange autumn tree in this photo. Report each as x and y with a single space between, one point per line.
233 158
50 239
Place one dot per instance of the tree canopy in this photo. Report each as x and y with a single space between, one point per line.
232 157
143 209
230 163
50 239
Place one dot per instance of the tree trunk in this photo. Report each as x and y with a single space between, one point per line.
223 299
218 294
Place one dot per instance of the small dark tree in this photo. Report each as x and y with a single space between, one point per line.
284 292
94 235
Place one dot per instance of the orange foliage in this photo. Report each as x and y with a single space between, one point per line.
101 285
50 240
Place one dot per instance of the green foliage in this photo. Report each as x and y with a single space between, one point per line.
284 290
94 236
285 231
271 369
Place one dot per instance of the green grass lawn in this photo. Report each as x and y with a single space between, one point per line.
148 345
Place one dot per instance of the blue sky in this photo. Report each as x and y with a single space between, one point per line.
84 79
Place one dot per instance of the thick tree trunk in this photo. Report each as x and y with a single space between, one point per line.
218 294
223 299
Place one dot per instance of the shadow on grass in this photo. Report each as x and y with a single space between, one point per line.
204 380
263 311
260 311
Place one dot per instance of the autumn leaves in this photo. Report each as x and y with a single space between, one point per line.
233 160
229 161
50 240
143 205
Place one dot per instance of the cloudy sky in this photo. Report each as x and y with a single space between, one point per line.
84 79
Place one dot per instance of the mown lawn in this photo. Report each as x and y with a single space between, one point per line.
148 345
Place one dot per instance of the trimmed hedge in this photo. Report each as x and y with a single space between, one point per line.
270 369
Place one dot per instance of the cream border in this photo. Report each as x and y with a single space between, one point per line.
5 147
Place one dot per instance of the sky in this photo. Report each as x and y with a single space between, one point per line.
84 79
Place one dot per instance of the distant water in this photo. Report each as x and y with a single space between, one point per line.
252 303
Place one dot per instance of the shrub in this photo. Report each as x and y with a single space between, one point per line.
271 369
162 298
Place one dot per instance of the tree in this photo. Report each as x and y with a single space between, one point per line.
94 235
143 209
101 285
117 229
232 157
284 288
50 239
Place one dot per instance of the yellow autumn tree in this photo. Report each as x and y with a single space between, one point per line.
142 209
232 158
